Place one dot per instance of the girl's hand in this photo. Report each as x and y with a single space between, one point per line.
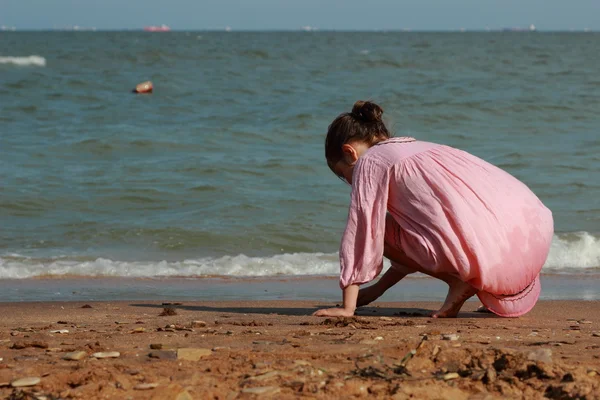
334 312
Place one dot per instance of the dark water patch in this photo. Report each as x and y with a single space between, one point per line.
255 54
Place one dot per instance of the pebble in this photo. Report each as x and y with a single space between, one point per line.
368 342
32 381
262 390
596 334
543 355
139 330
191 354
451 375
592 374
24 345
490 373
379 338
583 321
75 355
156 346
198 324
436 350
145 386
107 354
385 319
451 336
60 331
163 354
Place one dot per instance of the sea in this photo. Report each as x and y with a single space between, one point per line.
215 185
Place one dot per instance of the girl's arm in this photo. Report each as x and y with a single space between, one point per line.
347 310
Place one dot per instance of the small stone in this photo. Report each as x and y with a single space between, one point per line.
596 334
191 354
490 374
386 319
75 355
198 324
156 346
13 333
24 345
145 386
3 384
167 311
368 342
451 375
139 330
379 338
86 306
266 376
583 321
436 350
262 390
163 354
60 331
542 355
592 374
451 336
32 381
107 354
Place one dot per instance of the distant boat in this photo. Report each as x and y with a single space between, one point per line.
161 28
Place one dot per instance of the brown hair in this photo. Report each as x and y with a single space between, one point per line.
363 123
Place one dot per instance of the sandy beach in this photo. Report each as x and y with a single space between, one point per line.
230 350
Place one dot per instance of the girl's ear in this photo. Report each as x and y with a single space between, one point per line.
350 153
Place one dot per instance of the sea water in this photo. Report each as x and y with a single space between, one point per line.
221 172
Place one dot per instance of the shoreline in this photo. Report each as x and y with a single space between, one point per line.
276 349
324 288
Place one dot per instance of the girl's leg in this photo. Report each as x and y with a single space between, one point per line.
458 291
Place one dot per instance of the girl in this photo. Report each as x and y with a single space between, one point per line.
436 210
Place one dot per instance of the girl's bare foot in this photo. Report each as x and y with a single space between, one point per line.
458 293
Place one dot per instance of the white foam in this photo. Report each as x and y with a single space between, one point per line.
36 61
573 252
570 253
241 265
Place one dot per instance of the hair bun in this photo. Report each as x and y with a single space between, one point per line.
367 111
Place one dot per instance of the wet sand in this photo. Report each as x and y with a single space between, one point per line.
276 349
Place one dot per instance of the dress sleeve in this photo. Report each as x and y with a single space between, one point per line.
361 251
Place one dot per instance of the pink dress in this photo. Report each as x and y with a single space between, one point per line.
455 214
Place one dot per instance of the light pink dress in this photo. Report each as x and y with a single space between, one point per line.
455 213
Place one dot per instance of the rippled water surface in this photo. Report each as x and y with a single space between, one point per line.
221 169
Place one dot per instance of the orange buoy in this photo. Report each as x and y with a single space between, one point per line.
144 87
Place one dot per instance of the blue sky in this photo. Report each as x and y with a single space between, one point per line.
293 14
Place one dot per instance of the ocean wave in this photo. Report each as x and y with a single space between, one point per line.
35 61
571 253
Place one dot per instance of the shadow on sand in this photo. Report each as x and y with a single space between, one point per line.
375 311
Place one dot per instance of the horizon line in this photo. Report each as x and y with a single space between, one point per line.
301 30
